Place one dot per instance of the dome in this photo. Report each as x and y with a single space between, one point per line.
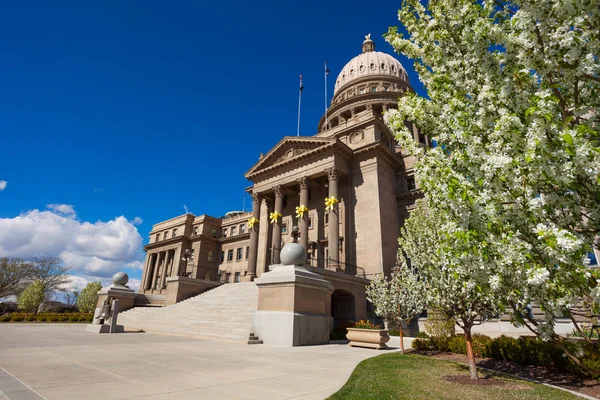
370 63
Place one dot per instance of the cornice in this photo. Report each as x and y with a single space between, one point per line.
167 242
383 150
236 238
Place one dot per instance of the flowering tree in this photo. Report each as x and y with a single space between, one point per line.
398 299
32 297
456 277
514 95
88 298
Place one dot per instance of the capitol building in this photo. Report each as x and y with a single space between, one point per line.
352 161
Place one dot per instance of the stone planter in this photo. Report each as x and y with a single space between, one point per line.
373 338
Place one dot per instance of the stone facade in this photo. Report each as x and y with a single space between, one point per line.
353 158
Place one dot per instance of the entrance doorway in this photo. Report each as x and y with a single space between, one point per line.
342 310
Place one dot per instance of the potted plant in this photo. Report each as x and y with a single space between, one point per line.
367 334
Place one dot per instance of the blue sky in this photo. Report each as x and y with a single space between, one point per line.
135 108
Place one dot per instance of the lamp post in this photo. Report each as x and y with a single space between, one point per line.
188 256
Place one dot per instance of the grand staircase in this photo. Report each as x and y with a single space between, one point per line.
223 313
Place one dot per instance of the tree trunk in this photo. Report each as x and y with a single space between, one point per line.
401 337
470 355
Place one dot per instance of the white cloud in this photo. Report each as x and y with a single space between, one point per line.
3 185
96 249
137 221
65 209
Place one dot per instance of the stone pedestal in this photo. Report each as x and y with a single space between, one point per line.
180 288
294 307
125 296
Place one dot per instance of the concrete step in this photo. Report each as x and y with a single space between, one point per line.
223 313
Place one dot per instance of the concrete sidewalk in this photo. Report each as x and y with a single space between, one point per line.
62 362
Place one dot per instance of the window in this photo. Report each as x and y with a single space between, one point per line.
233 229
211 255
237 277
208 276
224 232
361 91
166 235
410 183
229 255
284 228
222 256
247 251
284 201
213 233
195 230
222 277
422 139
157 237
174 232
310 219
326 217
242 228
238 253
373 89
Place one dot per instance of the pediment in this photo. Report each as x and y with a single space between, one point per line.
289 149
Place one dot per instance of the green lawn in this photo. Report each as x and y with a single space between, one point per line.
410 376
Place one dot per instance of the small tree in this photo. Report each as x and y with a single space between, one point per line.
71 297
457 277
88 298
32 297
14 276
400 298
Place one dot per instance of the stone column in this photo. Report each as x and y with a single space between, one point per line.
146 276
334 220
165 270
155 272
303 222
277 225
253 257
176 262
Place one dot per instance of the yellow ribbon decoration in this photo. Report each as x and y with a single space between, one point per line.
330 202
274 217
300 210
251 222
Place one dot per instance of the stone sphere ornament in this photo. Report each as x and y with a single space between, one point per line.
120 279
293 254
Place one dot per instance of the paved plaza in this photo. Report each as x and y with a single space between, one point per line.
62 362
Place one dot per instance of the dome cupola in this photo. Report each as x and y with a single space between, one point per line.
369 64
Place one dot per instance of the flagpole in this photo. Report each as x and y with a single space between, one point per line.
299 104
325 95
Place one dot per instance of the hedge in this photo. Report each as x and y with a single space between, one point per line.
524 351
47 317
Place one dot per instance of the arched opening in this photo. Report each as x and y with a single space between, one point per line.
342 310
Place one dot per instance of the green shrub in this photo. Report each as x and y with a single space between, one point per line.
17 318
30 318
440 343
52 318
480 343
5 318
422 335
421 344
457 344
41 318
73 318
